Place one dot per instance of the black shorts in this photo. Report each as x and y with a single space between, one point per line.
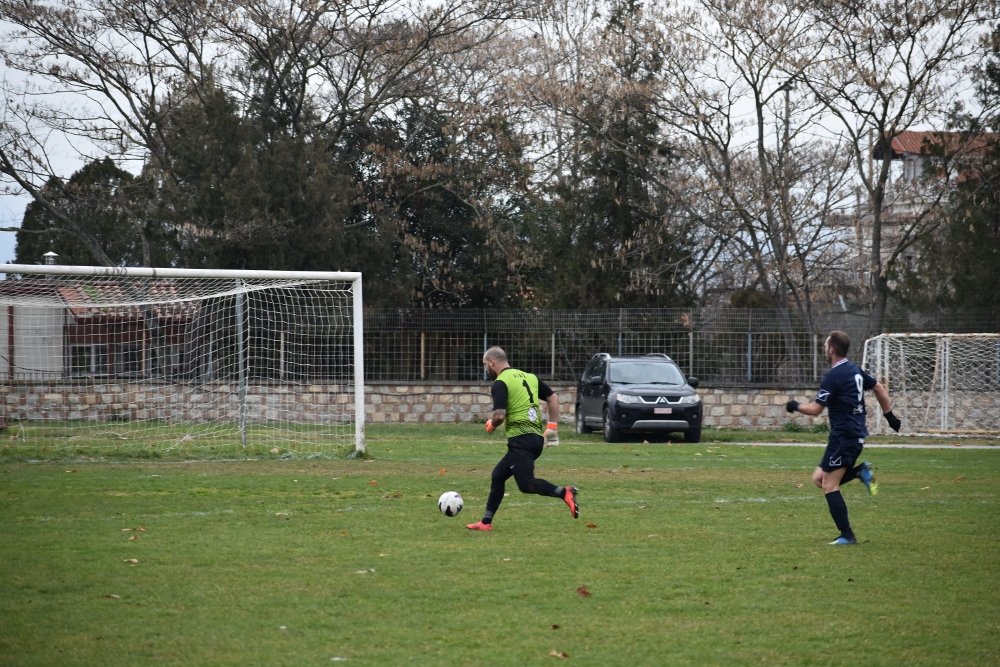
527 446
519 461
841 452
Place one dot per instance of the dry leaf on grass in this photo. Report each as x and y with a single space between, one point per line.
583 592
558 654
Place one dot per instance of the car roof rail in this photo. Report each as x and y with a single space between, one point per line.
648 355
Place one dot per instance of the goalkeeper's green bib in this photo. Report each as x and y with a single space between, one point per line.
523 415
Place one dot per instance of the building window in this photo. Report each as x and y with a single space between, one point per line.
165 360
128 360
80 360
88 360
912 168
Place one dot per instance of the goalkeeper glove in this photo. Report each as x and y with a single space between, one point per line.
792 406
551 434
489 425
893 421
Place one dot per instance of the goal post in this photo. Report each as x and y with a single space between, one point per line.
939 383
239 363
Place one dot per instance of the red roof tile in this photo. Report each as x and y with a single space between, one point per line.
912 142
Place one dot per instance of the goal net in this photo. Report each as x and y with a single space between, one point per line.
939 383
97 360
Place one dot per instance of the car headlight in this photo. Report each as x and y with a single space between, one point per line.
628 399
690 400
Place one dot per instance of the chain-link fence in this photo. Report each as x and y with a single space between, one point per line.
718 345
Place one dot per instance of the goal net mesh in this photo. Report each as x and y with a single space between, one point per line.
939 383
150 364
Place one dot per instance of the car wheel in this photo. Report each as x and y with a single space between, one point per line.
611 434
694 435
581 426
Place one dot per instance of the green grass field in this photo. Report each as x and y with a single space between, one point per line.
710 554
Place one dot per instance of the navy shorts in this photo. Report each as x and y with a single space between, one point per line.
841 452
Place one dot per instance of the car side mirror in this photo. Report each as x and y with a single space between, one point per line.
596 380
693 381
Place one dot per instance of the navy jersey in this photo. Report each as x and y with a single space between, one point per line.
842 391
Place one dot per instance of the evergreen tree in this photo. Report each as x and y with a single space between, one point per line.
88 220
616 235
242 194
421 190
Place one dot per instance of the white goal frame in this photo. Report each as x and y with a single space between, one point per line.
292 277
939 383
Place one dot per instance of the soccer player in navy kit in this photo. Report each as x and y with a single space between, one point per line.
841 390
516 395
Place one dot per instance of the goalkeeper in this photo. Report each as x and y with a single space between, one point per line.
516 395
841 390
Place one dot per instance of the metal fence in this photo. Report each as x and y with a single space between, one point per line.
717 345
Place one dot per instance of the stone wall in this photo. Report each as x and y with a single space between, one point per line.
385 403
725 407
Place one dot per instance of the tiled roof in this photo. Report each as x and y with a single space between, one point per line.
915 143
911 142
113 300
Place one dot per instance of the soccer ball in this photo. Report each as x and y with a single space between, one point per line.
450 503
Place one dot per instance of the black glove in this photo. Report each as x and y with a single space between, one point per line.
893 421
793 406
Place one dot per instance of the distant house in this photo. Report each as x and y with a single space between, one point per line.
930 164
162 330
924 165
57 329
914 150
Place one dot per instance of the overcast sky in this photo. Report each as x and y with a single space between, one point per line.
11 215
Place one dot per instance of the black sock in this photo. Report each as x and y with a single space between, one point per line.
838 510
850 474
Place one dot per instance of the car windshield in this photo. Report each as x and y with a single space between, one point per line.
645 372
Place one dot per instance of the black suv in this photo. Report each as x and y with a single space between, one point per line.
637 394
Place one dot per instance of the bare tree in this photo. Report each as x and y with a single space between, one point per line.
886 69
98 78
762 175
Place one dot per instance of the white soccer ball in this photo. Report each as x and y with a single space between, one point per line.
450 503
